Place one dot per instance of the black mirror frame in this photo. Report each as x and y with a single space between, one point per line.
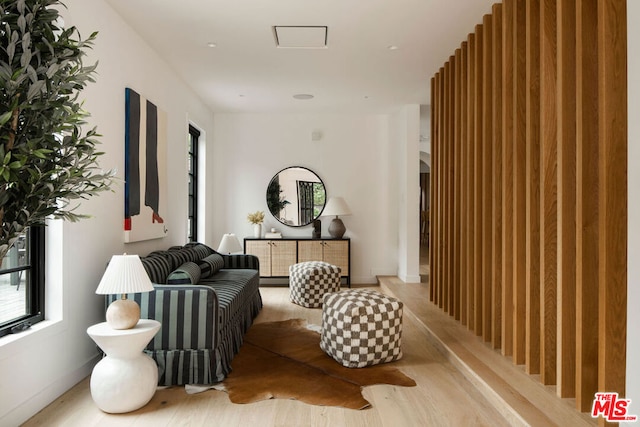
273 197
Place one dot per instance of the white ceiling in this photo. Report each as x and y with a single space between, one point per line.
356 72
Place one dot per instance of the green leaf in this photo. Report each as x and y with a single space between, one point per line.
4 118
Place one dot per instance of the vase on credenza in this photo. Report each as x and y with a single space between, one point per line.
257 230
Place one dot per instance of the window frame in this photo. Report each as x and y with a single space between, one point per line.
35 288
192 173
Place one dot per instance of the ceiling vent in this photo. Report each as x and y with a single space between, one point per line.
300 37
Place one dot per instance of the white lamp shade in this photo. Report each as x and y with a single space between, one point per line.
229 244
336 206
125 274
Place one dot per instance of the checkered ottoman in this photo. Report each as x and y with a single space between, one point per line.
309 281
361 327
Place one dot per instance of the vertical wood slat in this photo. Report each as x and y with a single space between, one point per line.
566 341
477 191
548 206
464 283
435 189
451 192
446 277
532 355
519 183
432 190
612 201
496 300
442 224
457 211
507 177
487 176
586 205
471 176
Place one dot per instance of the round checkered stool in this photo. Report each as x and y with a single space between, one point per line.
309 281
361 327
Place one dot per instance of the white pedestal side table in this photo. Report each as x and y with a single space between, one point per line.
126 378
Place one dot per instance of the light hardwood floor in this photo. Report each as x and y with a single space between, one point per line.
443 396
461 381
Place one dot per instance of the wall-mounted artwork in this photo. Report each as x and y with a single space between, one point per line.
145 169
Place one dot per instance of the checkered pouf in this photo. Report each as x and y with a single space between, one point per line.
361 327
309 281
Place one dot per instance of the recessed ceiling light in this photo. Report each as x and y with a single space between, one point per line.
303 96
392 47
211 44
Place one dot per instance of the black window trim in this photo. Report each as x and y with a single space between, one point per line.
194 135
35 296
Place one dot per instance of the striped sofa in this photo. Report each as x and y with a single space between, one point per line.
205 302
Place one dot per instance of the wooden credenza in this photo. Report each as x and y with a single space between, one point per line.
276 255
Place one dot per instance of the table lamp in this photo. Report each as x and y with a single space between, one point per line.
336 206
229 244
125 274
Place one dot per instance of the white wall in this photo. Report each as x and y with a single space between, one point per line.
633 256
352 159
38 365
406 137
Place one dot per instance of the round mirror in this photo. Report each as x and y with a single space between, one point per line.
296 196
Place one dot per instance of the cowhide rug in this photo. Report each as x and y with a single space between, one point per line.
284 360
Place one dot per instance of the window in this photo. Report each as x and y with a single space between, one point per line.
192 220
22 283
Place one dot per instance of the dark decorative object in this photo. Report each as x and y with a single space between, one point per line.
296 196
317 225
336 206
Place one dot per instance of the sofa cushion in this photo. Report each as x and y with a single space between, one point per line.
187 274
157 267
210 265
201 250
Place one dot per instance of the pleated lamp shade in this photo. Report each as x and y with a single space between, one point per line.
125 274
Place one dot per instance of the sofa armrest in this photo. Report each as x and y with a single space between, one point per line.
188 315
250 262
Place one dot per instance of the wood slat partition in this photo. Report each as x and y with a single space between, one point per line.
451 188
549 192
446 193
586 205
612 200
532 355
566 101
519 183
496 138
471 135
457 237
487 177
528 215
432 201
464 171
477 182
507 177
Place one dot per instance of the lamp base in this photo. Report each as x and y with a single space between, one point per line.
337 228
123 314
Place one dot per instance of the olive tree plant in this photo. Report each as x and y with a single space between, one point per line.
47 162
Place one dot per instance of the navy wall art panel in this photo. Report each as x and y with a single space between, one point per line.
145 169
